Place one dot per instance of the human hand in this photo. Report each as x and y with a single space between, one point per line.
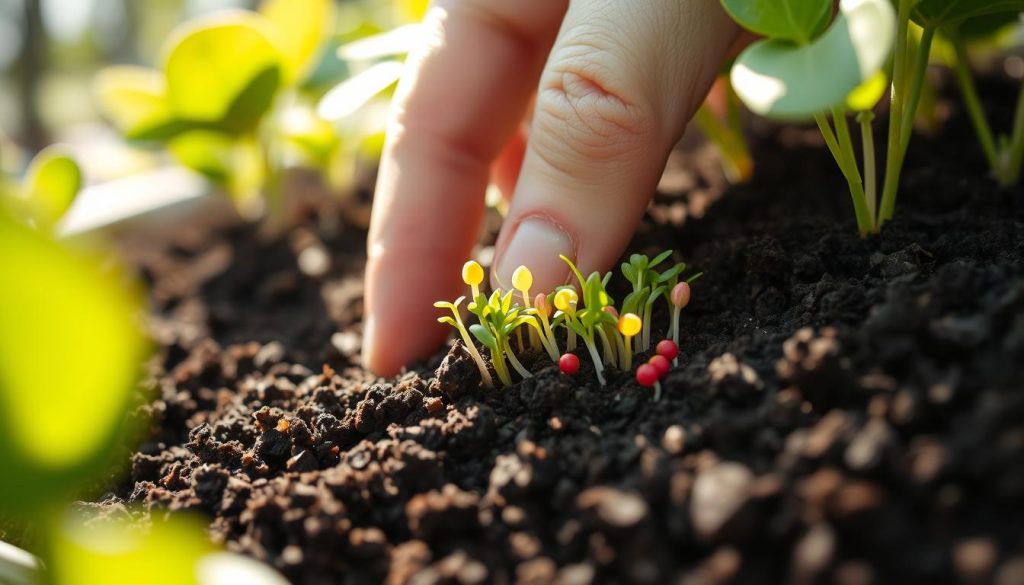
618 81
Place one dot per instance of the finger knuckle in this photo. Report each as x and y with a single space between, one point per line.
586 107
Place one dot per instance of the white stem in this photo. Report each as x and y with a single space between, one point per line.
598 367
570 343
518 367
17 567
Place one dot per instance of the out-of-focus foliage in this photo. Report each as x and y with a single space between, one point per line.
47 191
172 552
70 354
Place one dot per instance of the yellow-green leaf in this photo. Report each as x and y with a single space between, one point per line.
866 95
223 69
411 10
301 26
52 182
135 100
70 353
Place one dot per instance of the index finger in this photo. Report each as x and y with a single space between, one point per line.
461 98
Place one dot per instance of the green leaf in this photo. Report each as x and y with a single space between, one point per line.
223 69
798 21
211 154
866 95
448 321
135 100
986 26
950 13
51 184
779 80
694 278
659 258
300 26
70 353
484 336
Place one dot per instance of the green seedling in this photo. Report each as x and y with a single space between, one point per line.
566 301
1005 153
588 322
677 295
499 318
522 280
726 132
455 320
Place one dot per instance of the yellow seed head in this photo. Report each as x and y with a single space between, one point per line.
630 324
566 298
522 278
472 273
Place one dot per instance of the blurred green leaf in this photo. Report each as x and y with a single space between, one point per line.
987 26
206 152
798 21
777 79
301 27
51 185
172 552
70 353
950 13
135 100
411 10
866 95
223 68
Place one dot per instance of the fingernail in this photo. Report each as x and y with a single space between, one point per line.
536 244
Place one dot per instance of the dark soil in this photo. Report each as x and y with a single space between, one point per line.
845 411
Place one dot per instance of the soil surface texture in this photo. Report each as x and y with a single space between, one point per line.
845 411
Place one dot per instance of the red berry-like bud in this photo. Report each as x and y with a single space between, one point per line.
569 363
647 375
660 362
668 348
680 295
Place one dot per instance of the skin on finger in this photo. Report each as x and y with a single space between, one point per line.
620 85
463 94
505 170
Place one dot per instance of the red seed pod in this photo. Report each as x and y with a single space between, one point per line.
569 363
680 295
668 348
647 375
661 363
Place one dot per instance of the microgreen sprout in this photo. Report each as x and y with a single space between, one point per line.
629 325
569 364
647 375
522 280
473 275
542 311
589 321
669 350
566 300
456 321
679 297
498 319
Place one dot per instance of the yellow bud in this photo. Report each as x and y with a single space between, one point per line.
472 273
522 278
630 324
566 298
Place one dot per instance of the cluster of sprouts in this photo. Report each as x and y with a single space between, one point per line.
573 315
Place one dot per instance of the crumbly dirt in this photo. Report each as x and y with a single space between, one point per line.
845 411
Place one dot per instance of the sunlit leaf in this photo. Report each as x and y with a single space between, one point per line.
866 95
51 184
355 92
170 552
135 100
208 153
70 352
313 136
301 26
950 13
223 68
799 21
777 79
411 10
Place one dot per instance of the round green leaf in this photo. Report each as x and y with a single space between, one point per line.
986 26
301 26
950 13
52 182
223 69
70 352
777 79
798 21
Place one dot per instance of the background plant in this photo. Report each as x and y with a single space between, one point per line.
813 65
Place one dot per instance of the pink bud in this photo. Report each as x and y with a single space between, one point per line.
680 295
611 311
540 302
